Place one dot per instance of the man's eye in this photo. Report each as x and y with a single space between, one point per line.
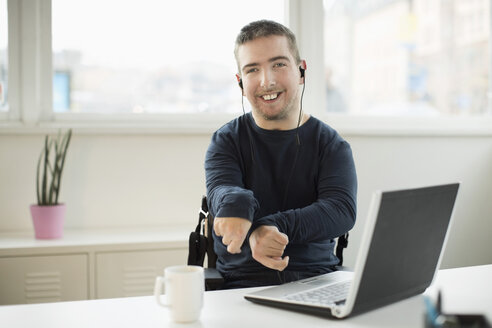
251 70
279 65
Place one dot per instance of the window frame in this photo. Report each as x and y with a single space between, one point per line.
13 63
30 89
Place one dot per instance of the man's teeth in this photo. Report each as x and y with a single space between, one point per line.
271 96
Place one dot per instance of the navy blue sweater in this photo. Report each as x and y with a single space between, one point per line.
307 190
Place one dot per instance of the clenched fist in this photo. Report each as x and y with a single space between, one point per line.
233 232
267 247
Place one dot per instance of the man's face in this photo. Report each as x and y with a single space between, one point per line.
270 77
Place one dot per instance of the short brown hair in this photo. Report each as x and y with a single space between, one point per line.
264 28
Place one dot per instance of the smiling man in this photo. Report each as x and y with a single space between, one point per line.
281 184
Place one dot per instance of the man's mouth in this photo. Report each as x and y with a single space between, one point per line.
270 96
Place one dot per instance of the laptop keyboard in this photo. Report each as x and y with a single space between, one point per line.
327 295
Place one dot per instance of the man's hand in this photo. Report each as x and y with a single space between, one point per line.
233 232
267 247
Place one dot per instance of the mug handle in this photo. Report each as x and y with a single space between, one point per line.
158 291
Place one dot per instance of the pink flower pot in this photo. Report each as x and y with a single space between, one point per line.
48 221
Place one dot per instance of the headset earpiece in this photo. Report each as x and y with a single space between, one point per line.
239 81
302 71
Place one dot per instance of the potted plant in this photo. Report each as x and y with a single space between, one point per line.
48 215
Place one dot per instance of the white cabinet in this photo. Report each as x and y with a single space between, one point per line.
121 274
87 264
35 279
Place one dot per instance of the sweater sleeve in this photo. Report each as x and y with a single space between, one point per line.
227 196
334 211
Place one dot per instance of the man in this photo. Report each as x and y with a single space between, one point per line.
280 183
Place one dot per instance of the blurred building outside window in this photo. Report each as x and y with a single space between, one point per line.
149 56
408 57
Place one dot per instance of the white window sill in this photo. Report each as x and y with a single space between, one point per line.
349 125
206 124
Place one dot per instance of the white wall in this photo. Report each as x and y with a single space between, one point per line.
115 180
394 162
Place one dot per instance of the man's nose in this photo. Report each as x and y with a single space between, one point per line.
267 79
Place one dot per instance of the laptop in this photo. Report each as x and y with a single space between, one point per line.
400 252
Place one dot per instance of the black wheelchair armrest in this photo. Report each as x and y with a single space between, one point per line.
213 279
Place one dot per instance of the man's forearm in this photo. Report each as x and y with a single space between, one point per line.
319 221
232 201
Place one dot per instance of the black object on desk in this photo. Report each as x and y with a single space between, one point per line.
435 318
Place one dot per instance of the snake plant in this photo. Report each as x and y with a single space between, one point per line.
50 168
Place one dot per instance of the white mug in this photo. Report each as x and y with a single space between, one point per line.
184 287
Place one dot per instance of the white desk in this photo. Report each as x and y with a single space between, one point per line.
467 290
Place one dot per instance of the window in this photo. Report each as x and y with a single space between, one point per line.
3 55
399 57
170 64
149 56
